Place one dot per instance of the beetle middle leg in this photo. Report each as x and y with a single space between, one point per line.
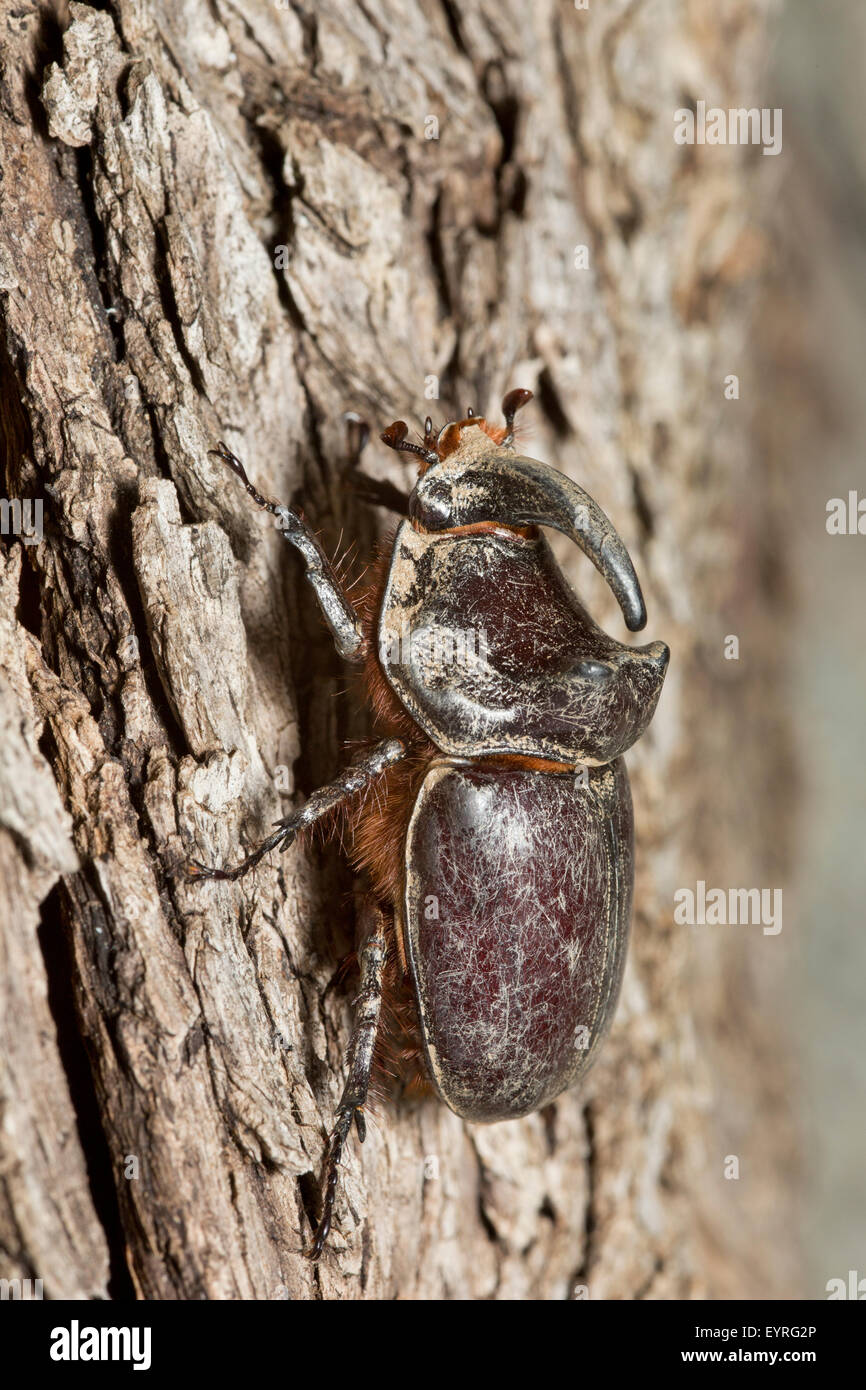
368 1006
355 778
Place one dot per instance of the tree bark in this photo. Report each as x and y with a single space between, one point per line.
222 222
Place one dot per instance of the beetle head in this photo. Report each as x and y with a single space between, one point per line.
472 434
471 476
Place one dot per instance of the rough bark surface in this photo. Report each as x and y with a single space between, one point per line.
228 222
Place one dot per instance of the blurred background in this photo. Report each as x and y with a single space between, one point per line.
820 407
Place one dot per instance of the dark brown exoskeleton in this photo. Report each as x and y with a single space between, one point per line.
501 855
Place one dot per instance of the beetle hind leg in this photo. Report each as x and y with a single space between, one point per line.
368 1007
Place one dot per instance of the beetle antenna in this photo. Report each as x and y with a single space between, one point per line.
395 437
514 401
222 451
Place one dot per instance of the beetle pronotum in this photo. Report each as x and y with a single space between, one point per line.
506 800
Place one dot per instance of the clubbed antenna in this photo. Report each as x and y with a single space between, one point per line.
395 437
514 401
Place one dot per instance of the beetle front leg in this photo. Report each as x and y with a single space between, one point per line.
368 1006
336 609
376 491
352 779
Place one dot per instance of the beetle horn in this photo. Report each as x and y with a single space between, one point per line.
523 492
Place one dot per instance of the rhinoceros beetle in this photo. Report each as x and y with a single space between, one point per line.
500 857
